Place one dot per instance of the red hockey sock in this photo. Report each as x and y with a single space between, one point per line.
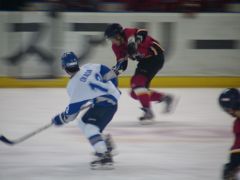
142 95
144 100
156 96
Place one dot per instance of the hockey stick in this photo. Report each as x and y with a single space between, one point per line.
21 139
27 136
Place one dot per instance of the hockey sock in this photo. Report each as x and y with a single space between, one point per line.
156 96
143 96
98 143
94 136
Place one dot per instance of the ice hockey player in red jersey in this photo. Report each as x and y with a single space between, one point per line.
229 100
137 45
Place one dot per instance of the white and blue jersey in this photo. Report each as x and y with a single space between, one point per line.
88 85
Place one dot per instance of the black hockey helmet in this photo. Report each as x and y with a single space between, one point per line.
230 99
112 30
70 62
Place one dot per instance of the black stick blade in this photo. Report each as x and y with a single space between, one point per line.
5 140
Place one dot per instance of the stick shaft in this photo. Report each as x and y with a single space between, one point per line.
27 136
34 133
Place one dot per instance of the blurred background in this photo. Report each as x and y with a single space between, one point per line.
200 38
122 5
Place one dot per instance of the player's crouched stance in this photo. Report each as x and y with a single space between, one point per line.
137 45
88 85
229 100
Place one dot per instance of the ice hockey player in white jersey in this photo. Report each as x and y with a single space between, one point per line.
88 84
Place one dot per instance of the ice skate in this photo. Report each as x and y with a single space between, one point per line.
170 103
111 146
147 117
102 162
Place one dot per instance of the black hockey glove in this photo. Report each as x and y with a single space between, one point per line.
230 169
132 49
137 57
120 67
228 172
133 53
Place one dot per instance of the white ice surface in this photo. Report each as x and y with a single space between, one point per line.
191 144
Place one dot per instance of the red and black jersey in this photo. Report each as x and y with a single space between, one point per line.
236 130
147 47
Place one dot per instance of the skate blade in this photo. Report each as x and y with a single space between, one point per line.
146 122
108 166
114 152
172 106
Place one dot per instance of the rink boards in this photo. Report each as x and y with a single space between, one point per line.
205 55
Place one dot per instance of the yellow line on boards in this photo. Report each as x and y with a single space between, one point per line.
124 81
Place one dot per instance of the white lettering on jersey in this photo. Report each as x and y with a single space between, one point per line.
86 85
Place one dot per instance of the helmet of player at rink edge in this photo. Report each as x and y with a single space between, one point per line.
230 99
70 62
112 30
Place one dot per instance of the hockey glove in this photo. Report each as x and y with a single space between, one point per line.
137 57
231 168
132 48
133 53
59 119
229 171
120 67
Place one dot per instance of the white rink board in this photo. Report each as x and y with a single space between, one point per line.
174 31
191 144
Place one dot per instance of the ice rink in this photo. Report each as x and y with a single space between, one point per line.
191 144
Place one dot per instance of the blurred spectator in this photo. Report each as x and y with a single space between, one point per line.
12 5
213 5
81 5
44 5
153 5
184 6
116 6
190 6
232 6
